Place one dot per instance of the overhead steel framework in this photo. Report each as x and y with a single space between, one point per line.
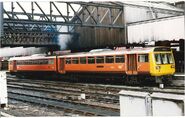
37 26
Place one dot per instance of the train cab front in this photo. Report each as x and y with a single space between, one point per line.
164 63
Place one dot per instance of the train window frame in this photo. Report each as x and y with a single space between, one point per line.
84 62
116 57
102 58
159 57
170 58
107 57
146 60
88 58
68 60
51 61
75 59
162 59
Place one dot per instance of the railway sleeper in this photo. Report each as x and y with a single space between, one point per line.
58 106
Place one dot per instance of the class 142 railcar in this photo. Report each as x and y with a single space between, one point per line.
155 63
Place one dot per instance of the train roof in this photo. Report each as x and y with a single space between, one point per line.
110 52
96 52
39 56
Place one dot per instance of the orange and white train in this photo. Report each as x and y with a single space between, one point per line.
153 62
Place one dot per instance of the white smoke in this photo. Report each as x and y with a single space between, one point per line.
7 52
64 39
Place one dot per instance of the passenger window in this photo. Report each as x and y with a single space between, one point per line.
83 60
75 60
18 62
143 58
109 59
31 62
51 61
47 61
120 59
38 62
68 60
99 59
91 60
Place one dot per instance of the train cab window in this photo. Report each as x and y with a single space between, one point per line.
83 60
91 60
68 60
169 55
75 60
158 59
143 58
164 58
109 59
100 59
120 59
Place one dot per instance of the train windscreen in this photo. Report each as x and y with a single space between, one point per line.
164 58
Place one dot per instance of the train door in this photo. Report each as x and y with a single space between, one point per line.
131 64
14 65
62 65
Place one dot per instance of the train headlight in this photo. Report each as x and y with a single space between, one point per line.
172 66
157 67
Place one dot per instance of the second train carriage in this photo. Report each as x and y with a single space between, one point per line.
34 63
153 62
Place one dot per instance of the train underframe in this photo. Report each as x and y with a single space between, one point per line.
104 78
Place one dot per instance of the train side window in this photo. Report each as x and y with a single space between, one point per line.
100 59
68 60
120 59
143 58
18 63
91 60
47 61
31 62
109 59
83 60
35 62
75 60
51 61
22 62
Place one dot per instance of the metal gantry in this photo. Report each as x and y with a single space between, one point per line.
39 24
25 26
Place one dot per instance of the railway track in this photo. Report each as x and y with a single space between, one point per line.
63 105
105 98
22 91
102 89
